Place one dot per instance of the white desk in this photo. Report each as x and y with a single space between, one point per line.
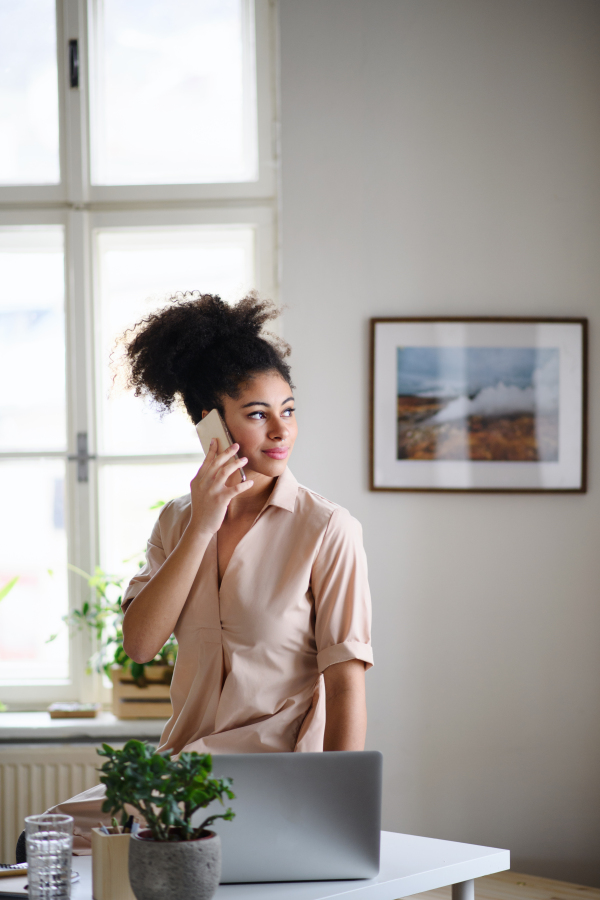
409 865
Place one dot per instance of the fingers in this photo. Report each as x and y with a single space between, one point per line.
223 461
227 493
227 470
213 449
220 459
213 457
210 492
237 489
240 488
217 468
210 456
243 486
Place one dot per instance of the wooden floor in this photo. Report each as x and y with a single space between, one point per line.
513 886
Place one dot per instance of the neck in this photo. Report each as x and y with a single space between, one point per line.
252 500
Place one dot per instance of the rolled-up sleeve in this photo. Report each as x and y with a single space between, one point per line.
341 591
155 557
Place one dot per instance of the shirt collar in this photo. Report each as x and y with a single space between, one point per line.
285 491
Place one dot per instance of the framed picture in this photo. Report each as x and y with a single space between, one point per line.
478 404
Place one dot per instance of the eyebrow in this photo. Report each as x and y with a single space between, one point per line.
262 403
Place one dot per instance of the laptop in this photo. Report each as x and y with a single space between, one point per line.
300 816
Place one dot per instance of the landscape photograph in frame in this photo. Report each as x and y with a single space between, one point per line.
478 404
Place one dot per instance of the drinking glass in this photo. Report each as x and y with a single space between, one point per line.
49 840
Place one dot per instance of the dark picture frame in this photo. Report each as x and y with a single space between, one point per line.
478 404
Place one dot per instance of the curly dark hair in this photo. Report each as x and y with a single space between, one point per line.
199 349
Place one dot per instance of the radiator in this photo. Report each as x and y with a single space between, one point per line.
34 777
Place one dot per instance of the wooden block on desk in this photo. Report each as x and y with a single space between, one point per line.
74 710
110 866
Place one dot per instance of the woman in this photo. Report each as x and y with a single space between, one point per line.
263 582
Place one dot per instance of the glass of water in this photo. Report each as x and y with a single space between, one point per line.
49 840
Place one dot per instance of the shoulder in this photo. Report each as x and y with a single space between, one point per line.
176 509
173 518
335 519
311 501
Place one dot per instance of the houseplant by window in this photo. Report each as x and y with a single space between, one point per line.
171 857
101 615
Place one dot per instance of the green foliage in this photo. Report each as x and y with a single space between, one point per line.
165 791
4 591
101 615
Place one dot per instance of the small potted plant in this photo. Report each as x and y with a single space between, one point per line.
171 857
139 690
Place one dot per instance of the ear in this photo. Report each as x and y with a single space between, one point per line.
204 413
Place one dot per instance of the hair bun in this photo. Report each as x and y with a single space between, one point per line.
199 348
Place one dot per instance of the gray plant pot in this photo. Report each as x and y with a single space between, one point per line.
175 870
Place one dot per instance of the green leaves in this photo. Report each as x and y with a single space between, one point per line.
102 617
137 672
165 791
4 591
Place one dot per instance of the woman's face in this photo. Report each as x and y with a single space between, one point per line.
263 422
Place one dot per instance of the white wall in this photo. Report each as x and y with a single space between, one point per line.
443 157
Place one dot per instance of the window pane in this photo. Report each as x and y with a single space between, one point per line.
127 493
137 269
172 99
33 541
28 93
32 341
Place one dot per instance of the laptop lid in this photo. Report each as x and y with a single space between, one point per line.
300 816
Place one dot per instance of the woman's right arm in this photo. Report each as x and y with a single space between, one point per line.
153 614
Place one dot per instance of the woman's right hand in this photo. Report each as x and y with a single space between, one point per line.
153 614
211 495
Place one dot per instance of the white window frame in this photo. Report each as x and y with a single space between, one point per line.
82 209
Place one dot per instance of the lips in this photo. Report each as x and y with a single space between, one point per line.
277 452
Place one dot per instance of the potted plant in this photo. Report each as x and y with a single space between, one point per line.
171 857
139 690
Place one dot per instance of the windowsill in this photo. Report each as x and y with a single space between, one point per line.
38 727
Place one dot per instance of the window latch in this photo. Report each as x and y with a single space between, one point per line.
74 63
83 457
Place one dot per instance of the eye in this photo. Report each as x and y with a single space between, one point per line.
257 415
289 411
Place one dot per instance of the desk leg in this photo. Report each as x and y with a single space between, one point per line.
464 890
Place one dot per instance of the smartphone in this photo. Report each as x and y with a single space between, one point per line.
213 426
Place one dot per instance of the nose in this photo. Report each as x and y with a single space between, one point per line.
278 431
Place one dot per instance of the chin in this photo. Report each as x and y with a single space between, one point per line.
270 467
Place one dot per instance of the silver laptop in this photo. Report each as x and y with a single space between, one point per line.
300 816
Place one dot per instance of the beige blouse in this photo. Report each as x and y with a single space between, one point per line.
248 679
293 600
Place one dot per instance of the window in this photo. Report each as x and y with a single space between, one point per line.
173 98
33 442
29 93
138 162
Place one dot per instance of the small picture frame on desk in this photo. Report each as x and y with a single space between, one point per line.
495 405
